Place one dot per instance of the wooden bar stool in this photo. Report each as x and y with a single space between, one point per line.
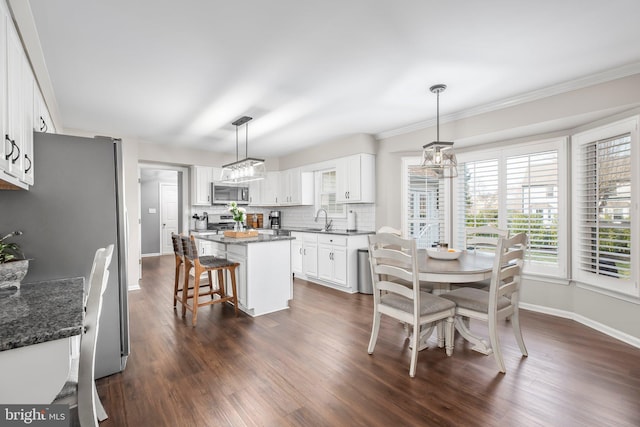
208 264
179 254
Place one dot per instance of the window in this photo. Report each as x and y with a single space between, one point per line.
517 188
604 198
532 202
326 186
423 210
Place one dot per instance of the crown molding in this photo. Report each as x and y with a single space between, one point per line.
579 83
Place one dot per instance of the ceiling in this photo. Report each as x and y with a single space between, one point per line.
180 72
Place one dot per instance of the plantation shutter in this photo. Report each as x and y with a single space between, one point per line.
532 202
478 196
424 211
605 208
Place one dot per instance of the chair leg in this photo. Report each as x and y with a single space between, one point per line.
196 292
414 351
232 273
375 328
175 285
210 283
449 335
515 323
495 344
101 414
221 284
185 288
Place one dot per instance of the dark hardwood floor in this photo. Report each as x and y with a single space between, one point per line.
308 366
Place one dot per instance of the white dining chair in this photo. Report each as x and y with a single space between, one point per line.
394 258
483 239
80 389
499 302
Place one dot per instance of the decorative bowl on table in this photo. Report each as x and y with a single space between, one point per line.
444 253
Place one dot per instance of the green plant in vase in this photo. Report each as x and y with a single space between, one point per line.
239 215
13 266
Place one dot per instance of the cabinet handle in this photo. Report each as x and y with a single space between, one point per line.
300 251
15 159
43 126
7 139
26 157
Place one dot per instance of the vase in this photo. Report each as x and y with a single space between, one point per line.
12 273
238 226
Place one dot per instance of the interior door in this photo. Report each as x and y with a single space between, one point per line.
169 215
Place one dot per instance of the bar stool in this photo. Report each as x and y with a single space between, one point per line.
208 264
179 254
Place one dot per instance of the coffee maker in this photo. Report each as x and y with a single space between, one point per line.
274 219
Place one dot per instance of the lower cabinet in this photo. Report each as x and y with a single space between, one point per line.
327 259
332 259
304 254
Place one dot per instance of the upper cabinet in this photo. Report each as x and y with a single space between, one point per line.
21 106
296 187
355 179
41 119
201 179
291 187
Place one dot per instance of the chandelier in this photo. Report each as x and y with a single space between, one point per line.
247 169
438 158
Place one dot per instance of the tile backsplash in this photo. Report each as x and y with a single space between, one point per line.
303 216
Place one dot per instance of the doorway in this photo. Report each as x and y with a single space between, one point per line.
163 196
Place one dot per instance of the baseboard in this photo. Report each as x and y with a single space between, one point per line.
614 333
150 255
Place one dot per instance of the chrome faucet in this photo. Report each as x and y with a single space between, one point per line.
327 221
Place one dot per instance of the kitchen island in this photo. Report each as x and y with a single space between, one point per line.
264 279
37 324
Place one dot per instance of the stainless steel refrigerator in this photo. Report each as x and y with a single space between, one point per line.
76 206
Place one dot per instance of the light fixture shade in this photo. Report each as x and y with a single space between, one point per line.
439 160
245 170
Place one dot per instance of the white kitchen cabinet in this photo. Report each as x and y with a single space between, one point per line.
304 254
270 188
13 132
296 187
41 118
332 259
255 193
26 127
5 147
355 179
201 179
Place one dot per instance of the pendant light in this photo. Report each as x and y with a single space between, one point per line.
247 169
438 158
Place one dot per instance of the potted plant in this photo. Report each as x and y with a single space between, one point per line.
13 266
239 215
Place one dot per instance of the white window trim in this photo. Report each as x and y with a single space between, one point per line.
629 125
561 271
415 160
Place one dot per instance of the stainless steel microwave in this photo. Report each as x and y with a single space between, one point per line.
223 194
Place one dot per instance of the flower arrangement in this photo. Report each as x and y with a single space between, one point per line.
239 214
10 251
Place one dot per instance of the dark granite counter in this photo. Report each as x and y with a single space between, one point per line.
40 312
336 231
261 238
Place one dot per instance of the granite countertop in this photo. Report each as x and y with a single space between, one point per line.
40 312
336 231
261 238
